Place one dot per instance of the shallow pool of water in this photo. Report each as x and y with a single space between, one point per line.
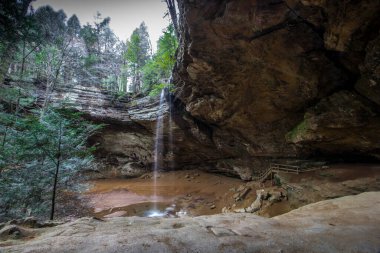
181 193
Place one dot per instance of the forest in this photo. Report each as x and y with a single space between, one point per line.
43 143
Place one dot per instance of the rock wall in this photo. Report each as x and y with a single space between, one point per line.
278 79
125 147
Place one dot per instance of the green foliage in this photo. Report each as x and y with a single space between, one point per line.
73 25
277 180
159 68
299 130
14 28
137 55
89 36
34 148
90 60
51 24
134 50
167 46
152 74
157 88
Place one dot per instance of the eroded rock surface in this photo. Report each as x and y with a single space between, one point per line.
125 147
254 71
348 224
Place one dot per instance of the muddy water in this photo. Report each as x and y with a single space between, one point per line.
198 193
191 192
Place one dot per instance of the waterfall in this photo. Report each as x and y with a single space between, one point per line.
158 148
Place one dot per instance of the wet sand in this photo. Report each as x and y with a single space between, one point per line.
195 192
199 193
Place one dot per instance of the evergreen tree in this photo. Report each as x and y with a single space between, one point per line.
137 55
14 18
158 70
37 154
74 26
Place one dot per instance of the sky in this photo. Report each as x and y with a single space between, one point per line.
125 15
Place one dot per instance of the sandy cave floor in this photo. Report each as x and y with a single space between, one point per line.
197 193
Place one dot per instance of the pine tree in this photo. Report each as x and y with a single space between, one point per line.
38 153
157 72
137 55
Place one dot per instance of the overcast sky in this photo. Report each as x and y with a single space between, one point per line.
125 15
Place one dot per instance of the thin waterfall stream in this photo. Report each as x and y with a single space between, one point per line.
158 154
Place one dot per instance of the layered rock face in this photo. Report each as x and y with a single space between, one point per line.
281 79
125 146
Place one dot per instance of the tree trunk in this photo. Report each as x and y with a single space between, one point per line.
173 15
54 191
23 59
56 173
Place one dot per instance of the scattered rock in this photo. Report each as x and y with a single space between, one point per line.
212 207
146 176
30 222
241 188
12 232
133 169
255 206
272 195
241 192
275 197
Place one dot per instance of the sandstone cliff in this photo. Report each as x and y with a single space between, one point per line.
281 79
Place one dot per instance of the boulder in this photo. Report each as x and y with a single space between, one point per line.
12 232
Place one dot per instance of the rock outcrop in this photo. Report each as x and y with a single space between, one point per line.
281 79
348 224
125 147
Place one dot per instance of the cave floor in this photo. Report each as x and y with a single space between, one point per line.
194 192
189 192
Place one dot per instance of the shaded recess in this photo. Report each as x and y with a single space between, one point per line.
281 80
